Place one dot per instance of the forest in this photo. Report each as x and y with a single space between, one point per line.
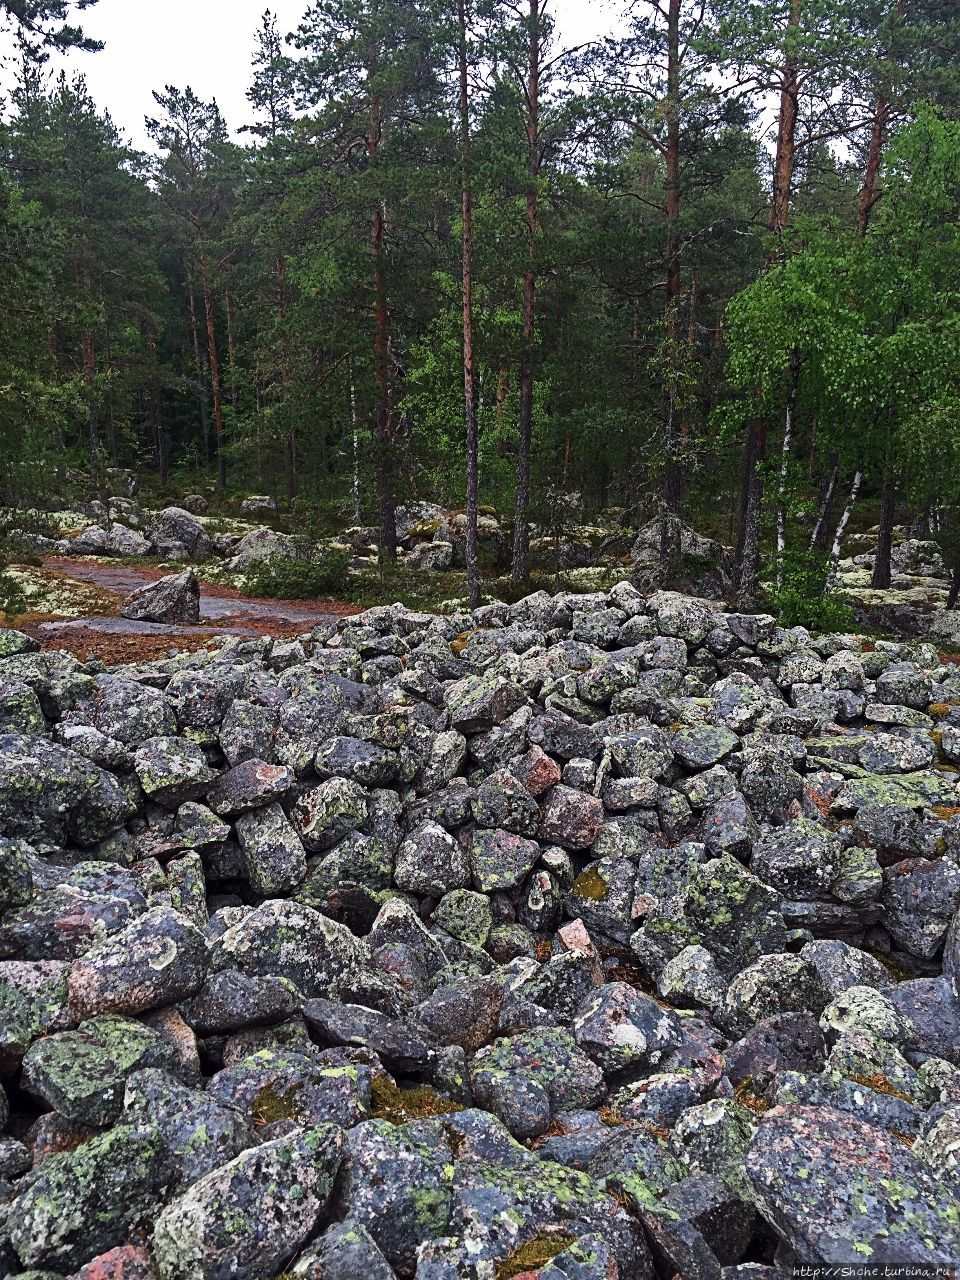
703 269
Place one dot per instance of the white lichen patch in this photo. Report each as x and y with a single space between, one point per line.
50 593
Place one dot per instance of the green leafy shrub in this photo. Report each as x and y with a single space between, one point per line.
805 600
281 579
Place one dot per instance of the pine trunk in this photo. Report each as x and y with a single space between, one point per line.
521 530
469 388
748 541
213 360
672 494
383 374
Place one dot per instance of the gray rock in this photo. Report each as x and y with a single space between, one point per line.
173 599
176 534
81 1203
250 1215
273 856
888 1207
172 770
157 960
620 1029
49 792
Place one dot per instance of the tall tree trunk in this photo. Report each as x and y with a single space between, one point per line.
785 470
232 353
383 373
882 572
842 528
521 529
469 387
213 360
672 494
786 155
748 555
748 541
201 374
878 135
818 539
355 443
88 345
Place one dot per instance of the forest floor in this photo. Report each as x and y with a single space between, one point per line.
75 605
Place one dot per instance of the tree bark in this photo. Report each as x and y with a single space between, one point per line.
383 373
521 529
748 541
214 363
786 155
842 528
878 136
882 572
785 472
201 374
355 451
469 386
672 494
88 352
818 539
88 343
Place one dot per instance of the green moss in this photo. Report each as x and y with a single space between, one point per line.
534 1254
390 1102
591 886
269 1105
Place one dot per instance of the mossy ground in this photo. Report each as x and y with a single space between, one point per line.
390 1102
533 1255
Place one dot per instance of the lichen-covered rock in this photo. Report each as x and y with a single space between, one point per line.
501 859
280 1087
51 793
83 1202
548 1057
396 1182
172 770
157 960
286 940
620 1028
325 813
431 863
889 1208
776 983
273 855
465 915
477 703
176 534
346 1251
16 879
570 818
249 1216
249 785
200 1133
173 599
81 1074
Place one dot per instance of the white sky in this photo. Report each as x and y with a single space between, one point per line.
207 44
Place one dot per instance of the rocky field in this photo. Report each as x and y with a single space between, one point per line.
601 937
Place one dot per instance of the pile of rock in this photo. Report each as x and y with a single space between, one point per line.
588 938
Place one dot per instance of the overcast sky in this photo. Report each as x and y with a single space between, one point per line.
207 44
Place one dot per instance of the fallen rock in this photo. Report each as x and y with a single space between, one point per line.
174 599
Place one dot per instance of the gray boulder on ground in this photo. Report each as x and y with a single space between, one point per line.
173 599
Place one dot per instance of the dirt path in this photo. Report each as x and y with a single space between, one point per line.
223 611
